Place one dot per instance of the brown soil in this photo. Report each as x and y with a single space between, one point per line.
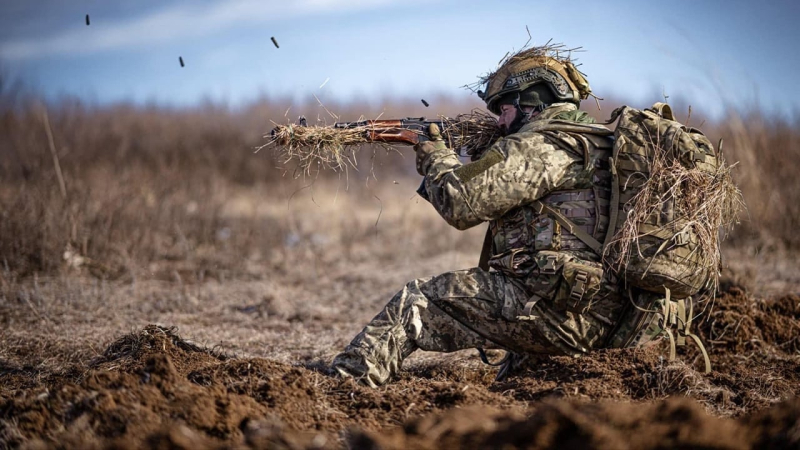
151 388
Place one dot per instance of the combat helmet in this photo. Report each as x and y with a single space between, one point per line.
537 74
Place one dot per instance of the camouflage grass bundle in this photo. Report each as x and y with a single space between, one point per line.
472 133
550 49
707 202
315 148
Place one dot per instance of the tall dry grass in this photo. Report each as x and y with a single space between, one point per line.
129 175
768 154
147 184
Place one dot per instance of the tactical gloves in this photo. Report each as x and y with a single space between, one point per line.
425 150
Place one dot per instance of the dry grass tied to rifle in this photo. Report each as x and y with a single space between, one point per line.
472 133
320 148
317 148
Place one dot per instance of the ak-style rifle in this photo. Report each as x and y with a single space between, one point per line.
467 134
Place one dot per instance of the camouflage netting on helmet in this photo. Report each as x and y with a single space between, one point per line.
549 64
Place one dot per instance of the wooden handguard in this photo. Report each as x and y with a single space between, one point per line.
409 131
393 135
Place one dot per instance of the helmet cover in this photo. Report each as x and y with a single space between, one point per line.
542 66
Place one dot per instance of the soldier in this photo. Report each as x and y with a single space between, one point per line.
540 286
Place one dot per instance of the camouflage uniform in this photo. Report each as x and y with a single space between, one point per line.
544 290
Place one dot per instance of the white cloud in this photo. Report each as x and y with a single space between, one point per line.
172 23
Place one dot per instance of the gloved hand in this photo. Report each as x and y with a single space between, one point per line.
426 149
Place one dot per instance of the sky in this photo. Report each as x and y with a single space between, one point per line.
712 53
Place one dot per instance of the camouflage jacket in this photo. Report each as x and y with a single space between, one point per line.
556 163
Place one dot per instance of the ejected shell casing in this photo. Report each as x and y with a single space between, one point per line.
425 103
180 59
275 42
87 20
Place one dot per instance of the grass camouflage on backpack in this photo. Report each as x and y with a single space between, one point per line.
672 194
673 199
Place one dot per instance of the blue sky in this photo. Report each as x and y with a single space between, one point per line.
712 53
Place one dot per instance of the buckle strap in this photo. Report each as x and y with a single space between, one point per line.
576 294
549 267
527 311
569 225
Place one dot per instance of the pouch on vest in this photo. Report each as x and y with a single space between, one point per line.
580 283
545 278
516 262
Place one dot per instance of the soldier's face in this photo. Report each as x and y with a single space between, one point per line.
507 115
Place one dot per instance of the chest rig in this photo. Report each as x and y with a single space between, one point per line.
563 219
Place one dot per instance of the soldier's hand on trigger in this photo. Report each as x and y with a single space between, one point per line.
427 148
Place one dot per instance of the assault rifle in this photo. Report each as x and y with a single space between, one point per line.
467 134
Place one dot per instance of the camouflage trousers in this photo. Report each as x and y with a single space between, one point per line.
477 309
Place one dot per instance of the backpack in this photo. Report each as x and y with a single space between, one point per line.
672 193
656 236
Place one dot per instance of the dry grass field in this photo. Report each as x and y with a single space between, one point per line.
162 285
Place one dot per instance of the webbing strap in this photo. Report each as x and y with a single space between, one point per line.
587 160
614 208
659 231
686 331
570 226
675 314
571 127
633 166
681 339
615 200
671 344
669 319
677 243
699 343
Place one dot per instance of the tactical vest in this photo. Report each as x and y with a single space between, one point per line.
584 200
